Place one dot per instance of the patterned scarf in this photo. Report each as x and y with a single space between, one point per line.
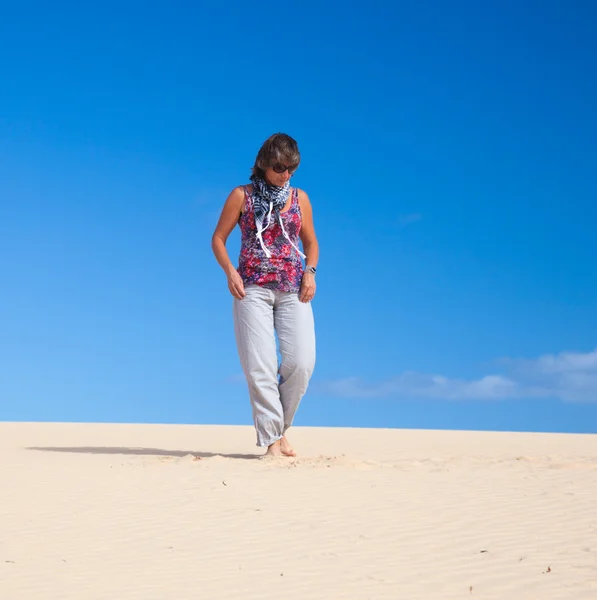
268 199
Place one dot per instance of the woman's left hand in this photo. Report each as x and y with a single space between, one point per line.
307 288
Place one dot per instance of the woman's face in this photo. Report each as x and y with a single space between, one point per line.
274 177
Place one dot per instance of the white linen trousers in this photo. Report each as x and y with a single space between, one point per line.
275 389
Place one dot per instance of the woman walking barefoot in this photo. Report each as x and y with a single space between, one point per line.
272 289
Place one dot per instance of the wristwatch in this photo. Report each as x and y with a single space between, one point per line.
311 270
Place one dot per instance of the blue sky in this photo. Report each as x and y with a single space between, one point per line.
449 153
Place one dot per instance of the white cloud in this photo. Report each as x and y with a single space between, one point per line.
565 362
566 376
405 220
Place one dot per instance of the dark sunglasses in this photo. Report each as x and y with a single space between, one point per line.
279 168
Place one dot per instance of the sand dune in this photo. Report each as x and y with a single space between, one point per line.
123 512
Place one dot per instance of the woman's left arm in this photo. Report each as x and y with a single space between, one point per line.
310 246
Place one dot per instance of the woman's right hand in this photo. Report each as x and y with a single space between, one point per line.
228 220
235 285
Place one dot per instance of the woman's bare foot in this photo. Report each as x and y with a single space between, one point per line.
286 448
280 448
274 450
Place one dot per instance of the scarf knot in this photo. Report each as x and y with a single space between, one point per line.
267 200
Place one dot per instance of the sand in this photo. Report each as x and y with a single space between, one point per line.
123 512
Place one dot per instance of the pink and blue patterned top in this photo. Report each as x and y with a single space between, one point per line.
283 270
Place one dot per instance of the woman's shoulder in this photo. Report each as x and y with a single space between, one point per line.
243 194
302 196
245 188
240 193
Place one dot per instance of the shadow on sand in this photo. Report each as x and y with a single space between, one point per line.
138 451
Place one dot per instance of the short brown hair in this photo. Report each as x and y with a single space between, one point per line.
278 148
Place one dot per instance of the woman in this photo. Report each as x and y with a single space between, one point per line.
271 288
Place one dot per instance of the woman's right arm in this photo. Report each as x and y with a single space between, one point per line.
227 222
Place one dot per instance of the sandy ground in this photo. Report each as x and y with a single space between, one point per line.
123 512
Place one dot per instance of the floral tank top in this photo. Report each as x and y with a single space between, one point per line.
283 270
